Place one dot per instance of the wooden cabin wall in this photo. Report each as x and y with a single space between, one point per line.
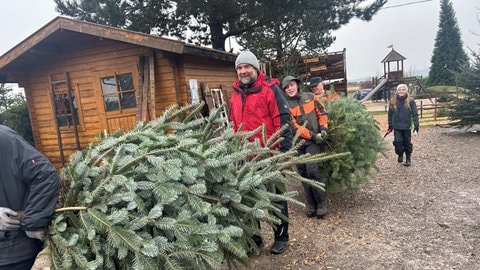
213 72
166 93
81 65
84 65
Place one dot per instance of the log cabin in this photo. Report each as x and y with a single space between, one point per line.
82 79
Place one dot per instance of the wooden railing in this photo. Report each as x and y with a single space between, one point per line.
426 109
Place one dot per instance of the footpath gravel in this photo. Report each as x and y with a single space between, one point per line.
426 216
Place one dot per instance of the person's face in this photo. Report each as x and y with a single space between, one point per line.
291 89
246 73
402 91
318 89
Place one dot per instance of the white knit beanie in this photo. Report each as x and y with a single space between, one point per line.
247 57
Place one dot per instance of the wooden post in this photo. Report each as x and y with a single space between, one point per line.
151 69
141 81
421 108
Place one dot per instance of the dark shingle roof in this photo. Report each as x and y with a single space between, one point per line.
393 56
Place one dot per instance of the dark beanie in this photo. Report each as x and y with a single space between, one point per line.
314 81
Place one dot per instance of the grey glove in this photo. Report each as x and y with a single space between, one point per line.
324 134
37 234
6 222
320 137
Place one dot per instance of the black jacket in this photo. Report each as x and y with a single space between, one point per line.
28 183
402 117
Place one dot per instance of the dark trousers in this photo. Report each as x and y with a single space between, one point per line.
281 230
402 141
17 251
23 265
313 196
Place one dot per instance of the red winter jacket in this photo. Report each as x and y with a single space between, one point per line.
261 103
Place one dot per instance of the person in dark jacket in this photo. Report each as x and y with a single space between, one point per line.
310 121
402 116
29 190
256 101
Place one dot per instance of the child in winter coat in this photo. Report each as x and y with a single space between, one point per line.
307 109
402 116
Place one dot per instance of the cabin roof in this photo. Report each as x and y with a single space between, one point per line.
62 31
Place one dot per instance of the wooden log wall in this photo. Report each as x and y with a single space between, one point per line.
85 66
214 73
81 65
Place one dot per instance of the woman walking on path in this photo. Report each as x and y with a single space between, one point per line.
402 116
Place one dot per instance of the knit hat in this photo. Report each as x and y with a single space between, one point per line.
314 81
287 80
247 57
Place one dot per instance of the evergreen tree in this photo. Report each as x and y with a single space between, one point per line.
466 111
146 16
14 112
448 53
352 129
302 28
180 192
211 22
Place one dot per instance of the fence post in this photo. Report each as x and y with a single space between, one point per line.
421 108
435 111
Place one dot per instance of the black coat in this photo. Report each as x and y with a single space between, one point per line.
28 183
402 117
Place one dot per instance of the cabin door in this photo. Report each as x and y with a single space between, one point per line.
117 90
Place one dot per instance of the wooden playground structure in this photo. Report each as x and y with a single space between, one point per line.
393 75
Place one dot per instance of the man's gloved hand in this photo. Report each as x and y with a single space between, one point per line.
415 131
6 222
324 134
320 137
37 234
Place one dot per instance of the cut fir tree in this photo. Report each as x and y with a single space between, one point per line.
179 192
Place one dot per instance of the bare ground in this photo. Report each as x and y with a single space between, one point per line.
426 216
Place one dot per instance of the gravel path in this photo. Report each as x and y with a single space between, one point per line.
426 216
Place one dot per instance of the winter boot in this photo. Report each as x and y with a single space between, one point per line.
400 158
311 210
407 162
279 247
258 241
322 210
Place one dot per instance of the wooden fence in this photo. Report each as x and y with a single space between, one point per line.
436 111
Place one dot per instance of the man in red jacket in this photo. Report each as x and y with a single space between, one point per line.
256 101
29 189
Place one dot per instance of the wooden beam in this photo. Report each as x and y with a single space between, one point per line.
151 62
145 100
140 98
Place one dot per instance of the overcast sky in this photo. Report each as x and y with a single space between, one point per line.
410 28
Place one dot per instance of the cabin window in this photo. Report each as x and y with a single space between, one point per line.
118 92
67 111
